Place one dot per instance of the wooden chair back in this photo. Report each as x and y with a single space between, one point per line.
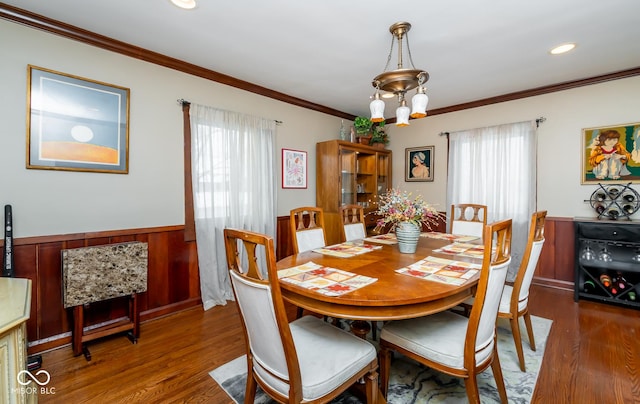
353 226
432 341
482 320
468 219
523 279
307 228
270 346
273 363
515 298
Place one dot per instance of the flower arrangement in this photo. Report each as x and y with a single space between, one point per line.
398 206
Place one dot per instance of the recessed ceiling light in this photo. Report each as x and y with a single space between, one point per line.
186 4
564 48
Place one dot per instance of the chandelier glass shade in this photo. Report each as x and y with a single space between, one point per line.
402 114
377 108
419 104
399 81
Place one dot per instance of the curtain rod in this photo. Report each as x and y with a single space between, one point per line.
538 122
182 101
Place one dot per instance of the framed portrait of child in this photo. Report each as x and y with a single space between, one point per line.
611 154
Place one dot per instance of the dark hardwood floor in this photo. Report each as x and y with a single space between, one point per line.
592 356
593 351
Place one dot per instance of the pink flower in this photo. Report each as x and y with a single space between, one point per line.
397 206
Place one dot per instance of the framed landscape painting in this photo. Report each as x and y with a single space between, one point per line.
611 154
76 124
419 164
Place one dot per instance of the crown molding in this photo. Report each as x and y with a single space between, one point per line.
55 27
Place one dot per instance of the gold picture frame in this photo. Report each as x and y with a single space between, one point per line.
611 154
419 164
76 124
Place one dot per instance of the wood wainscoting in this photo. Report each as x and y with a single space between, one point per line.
173 282
556 265
173 279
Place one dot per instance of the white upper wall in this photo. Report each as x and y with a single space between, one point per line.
559 140
47 202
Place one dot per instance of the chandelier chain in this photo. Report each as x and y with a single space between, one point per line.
390 54
399 81
409 51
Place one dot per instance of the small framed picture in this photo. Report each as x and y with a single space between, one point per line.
76 124
611 154
294 169
419 164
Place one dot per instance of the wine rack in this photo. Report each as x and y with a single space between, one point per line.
615 201
607 261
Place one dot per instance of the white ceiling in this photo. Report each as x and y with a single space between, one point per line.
327 52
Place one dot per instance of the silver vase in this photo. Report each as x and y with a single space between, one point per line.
408 235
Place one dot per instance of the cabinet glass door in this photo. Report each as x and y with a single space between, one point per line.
365 180
348 174
383 172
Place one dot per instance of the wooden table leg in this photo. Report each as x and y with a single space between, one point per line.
79 338
360 328
134 315
358 390
78 324
86 352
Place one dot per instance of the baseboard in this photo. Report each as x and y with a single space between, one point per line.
169 309
553 283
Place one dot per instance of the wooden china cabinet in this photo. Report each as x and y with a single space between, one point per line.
350 173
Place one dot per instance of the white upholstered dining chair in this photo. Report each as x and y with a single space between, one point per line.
450 342
515 297
468 219
353 227
307 228
305 361
514 302
307 231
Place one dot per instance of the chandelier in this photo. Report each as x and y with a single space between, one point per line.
397 82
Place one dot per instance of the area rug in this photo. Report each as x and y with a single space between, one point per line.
411 382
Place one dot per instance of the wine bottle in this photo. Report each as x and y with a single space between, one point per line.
628 197
631 296
628 209
614 192
600 208
600 196
589 286
609 284
620 281
613 213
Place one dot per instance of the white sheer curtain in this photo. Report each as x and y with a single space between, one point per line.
496 166
234 185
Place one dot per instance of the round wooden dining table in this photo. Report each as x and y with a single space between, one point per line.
393 296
